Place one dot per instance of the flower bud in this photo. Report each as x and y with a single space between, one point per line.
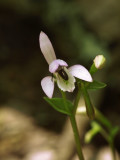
99 61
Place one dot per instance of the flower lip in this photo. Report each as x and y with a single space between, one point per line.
68 85
56 65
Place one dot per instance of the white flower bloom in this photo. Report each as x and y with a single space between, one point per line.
63 76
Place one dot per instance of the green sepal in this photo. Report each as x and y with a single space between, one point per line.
60 105
95 85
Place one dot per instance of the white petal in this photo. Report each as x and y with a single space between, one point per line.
80 72
64 85
55 64
46 48
48 86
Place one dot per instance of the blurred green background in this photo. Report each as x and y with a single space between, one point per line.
79 30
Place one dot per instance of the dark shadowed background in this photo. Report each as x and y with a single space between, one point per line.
79 30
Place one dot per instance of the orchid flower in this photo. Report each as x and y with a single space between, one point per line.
63 76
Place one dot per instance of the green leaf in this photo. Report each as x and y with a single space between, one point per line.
60 105
95 85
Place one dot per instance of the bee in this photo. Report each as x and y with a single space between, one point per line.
63 74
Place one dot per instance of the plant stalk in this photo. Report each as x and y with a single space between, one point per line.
113 150
89 107
76 136
77 99
74 126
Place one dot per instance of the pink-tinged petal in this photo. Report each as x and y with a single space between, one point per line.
55 64
46 48
48 86
80 72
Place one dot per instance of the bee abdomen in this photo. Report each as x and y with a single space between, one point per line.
63 74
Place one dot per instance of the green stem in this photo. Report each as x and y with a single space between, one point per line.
63 94
93 69
103 120
75 129
64 97
76 136
104 134
110 141
88 104
112 150
77 99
